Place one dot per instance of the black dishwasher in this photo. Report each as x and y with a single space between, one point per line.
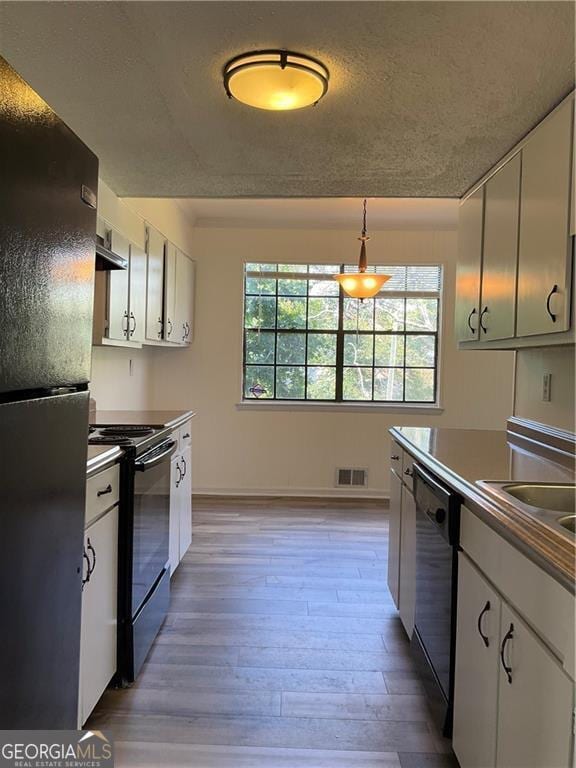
437 537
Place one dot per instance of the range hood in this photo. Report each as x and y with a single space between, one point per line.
107 259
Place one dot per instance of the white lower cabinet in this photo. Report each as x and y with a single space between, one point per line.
535 701
394 537
513 702
175 499
180 498
185 531
99 611
476 677
408 561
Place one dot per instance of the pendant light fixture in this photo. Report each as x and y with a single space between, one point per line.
361 284
275 79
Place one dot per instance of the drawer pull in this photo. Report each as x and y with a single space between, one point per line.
408 472
186 436
480 617
395 458
104 491
508 636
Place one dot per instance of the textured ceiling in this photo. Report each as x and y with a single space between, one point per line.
424 96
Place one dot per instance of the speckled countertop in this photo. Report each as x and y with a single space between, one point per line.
463 457
100 457
158 419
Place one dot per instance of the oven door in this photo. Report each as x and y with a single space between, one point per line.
151 518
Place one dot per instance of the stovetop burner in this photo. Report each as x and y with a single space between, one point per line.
109 440
127 431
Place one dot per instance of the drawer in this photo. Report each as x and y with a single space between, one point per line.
102 492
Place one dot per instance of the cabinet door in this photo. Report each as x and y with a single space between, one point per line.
544 262
174 525
535 701
408 561
99 611
469 270
394 537
184 298
500 253
137 298
118 291
186 502
154 283
170 329
476 675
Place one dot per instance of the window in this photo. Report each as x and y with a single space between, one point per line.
304 339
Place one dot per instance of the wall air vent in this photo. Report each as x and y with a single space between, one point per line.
351 478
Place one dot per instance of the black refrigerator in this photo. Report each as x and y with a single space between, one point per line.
48 183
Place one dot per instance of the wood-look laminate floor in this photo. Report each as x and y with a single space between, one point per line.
282 649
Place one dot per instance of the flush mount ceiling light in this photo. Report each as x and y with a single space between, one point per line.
361 284
275 79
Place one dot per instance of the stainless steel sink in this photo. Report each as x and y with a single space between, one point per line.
553 504
549 496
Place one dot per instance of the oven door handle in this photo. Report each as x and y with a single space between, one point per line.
142 466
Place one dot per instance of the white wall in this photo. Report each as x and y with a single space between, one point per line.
122 378
531 365
298 451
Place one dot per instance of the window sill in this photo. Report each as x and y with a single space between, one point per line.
299 405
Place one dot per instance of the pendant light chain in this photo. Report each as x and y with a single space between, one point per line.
364 220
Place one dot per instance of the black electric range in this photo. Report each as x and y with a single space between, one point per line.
143 570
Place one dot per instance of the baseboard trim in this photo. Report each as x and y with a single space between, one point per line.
372 498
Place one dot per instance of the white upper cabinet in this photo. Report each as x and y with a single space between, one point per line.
513 286
119 294
184 298
544 266
469 266
118 287
171 332
137 294
155 243
500 252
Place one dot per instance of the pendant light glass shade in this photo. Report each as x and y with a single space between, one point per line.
275 80
362 284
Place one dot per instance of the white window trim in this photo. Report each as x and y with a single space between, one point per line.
424 409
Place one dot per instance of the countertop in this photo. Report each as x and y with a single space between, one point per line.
463 457
157 419
100 457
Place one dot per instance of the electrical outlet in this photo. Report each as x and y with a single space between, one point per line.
546 387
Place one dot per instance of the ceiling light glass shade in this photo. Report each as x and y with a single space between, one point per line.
275 80
361 285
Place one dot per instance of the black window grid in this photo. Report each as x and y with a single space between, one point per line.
341 333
